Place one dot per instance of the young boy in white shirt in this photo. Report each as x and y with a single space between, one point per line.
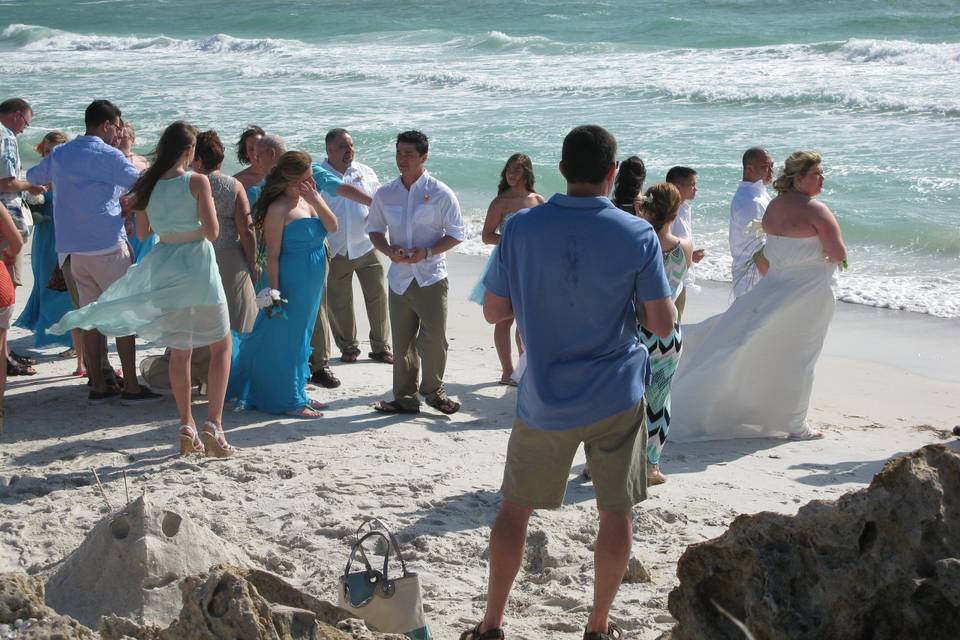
685 180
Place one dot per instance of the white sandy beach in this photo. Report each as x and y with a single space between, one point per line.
887 383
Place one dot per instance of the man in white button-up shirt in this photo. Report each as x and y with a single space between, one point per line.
422 217
352 252
749 203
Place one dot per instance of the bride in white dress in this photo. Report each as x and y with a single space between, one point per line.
748 372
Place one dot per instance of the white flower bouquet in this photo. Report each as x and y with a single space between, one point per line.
272 303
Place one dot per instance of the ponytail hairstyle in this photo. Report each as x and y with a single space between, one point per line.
290 168
660 204
629 182
56 137
528 178
797 165
176 139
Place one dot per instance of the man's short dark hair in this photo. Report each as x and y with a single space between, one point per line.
754 154
588 152
676 175
98 112
333 134
417 138
14 105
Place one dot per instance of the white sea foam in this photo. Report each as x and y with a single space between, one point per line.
37 38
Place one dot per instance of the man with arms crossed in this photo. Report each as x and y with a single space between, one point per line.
578 274
749 203
352 252
422 216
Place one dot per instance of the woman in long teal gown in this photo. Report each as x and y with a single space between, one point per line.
45 306
270 365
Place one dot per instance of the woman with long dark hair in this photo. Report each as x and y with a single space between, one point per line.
516 191
174 297
270 366
629 183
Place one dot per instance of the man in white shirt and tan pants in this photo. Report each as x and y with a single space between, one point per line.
422 217
351 252
749 203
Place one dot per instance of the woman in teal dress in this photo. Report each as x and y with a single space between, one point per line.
46 306
270 364
659 206
174 297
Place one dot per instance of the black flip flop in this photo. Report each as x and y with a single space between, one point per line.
393 407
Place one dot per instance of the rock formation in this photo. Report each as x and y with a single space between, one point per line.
882 563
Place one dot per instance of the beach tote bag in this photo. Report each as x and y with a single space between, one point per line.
386 601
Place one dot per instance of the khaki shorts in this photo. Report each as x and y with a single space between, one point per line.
6 314
538 462
94 274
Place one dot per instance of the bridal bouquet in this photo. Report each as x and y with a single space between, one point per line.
272 303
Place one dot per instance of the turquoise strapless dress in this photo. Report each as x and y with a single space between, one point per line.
174 296
270 364
141 247
45 306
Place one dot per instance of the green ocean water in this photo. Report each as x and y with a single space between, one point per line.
871 84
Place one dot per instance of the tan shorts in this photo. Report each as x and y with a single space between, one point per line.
538 462
6 314
94 274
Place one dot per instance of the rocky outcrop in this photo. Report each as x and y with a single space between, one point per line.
22 611
882 563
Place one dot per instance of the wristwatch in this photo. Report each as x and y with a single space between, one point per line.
429 251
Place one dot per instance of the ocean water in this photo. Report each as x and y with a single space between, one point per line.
874 85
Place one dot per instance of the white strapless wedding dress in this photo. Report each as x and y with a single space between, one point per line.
748 372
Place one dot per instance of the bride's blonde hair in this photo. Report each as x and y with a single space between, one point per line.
797 165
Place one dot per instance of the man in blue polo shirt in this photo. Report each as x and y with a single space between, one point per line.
578 274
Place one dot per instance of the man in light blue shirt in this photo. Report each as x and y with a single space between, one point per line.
88 177
578 274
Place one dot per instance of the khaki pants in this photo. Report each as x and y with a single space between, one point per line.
320 340
339 288
156 369
75 299
419 320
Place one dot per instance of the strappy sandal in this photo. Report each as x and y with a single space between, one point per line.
444 404
25 360
489 634
215 442
613 633
189 441
307 411
68 353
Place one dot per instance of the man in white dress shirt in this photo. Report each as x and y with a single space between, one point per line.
422 217
351 252
749 203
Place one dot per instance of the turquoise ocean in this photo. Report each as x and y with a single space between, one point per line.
874 85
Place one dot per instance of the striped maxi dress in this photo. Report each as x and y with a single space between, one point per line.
664 359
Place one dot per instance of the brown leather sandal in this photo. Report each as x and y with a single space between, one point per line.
489 634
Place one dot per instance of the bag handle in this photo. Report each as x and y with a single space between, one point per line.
387 535
358 547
